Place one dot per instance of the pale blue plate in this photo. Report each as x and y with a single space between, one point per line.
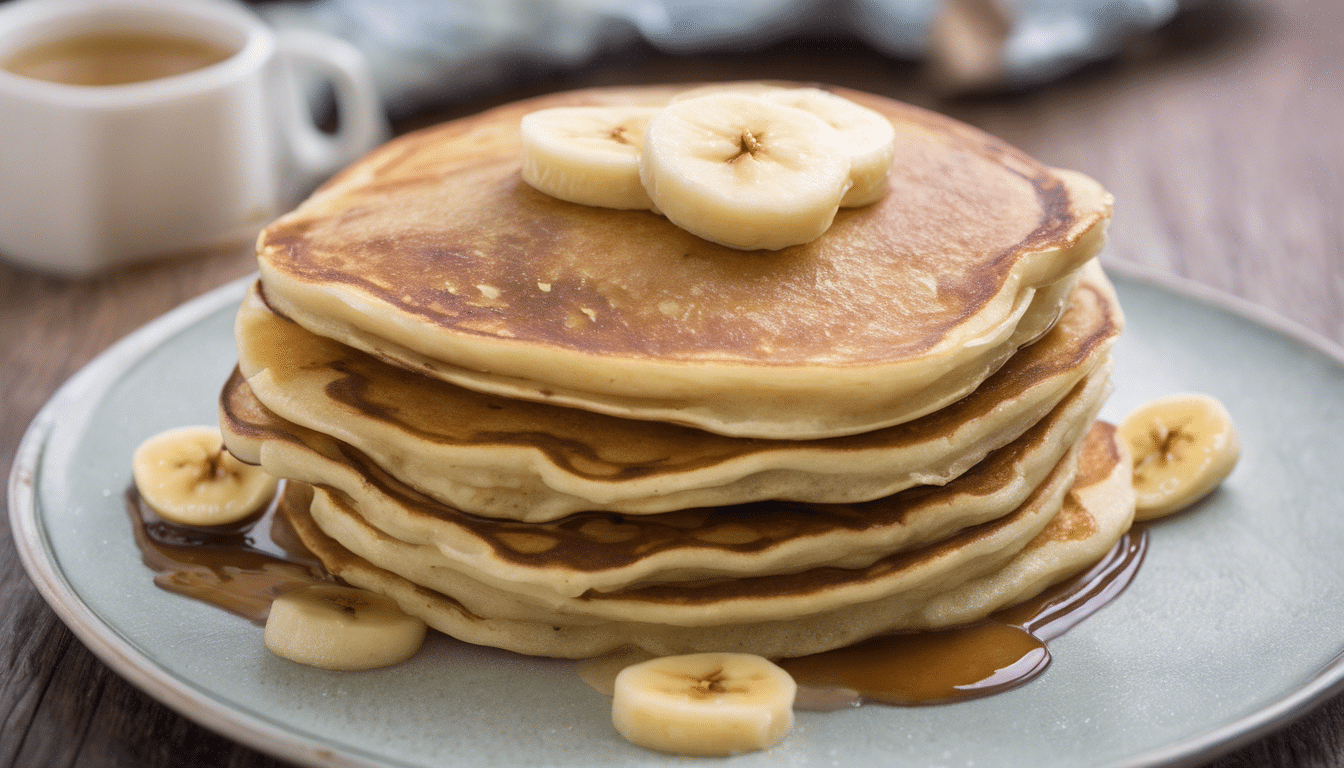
1234 625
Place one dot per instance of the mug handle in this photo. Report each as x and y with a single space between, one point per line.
363 123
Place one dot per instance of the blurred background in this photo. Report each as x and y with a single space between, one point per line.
1217 125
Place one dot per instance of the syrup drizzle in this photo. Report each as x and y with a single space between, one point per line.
243 567
1005 650
240 568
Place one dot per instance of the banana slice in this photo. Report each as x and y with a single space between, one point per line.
866 137
704 703
744 172
186 476
336 627
1184 446
587 155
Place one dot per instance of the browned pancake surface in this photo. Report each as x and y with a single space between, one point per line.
596 541
439 227
603 447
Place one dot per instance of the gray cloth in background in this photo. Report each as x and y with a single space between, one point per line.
424 52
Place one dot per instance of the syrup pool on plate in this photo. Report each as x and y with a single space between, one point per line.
243 567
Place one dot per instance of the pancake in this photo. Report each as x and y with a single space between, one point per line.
772 597
1074 536
1097 510
433 254
493 456
561 429
588 552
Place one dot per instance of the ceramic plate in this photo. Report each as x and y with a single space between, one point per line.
1234 625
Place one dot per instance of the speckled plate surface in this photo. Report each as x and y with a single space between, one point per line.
1234 625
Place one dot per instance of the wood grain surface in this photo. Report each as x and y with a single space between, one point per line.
1222 137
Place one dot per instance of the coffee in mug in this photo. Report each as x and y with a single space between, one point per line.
191 142
115 57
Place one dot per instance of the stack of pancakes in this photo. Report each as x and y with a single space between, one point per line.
562 429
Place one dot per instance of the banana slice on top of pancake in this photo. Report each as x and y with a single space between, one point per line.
587 155
865 137
764 168
744 172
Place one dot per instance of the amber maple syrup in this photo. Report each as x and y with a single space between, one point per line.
243 567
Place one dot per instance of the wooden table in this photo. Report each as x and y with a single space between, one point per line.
1222 138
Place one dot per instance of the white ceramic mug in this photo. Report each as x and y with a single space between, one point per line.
92 177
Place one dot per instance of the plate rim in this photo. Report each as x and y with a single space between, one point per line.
150 677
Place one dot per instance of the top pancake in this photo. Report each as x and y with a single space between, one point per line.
433 253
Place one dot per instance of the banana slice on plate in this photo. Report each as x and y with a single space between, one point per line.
865 136
587 155
744 172
344 628
187 476
1184 445
704 703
